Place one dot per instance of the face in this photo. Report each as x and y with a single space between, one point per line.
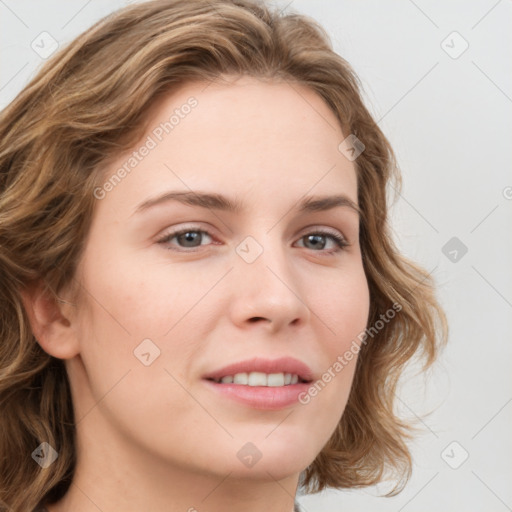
179 283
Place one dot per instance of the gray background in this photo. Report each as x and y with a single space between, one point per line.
447 112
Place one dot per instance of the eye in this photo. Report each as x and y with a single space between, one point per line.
189 238
317 241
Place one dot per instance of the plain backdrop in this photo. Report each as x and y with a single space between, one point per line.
437 77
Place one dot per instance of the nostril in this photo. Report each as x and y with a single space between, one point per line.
256 318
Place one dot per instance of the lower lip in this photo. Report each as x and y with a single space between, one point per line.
261 397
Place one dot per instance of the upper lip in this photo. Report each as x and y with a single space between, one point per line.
258 364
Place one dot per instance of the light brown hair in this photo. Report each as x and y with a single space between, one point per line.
85 106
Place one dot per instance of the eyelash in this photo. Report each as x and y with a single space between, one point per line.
340 241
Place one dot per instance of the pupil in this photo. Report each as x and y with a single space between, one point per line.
317 240
189 237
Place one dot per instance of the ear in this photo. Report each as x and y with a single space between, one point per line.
50 321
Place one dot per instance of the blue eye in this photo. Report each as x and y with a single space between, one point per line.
318 240
191 238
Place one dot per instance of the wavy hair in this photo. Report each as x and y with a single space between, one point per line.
87 104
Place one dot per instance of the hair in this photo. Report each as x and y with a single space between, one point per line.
87 104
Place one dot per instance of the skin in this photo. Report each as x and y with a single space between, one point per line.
155 437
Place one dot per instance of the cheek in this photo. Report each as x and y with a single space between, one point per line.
130 301
132 310
344 308
342 311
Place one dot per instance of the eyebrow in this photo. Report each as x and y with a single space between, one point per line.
214 201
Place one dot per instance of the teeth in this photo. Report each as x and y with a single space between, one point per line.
240 378
275 379
257 379
261 379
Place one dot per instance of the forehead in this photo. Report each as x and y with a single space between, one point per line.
248 136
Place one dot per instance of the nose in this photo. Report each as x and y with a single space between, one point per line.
268 290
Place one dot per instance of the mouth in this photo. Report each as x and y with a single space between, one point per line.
262 383
285 371
261 379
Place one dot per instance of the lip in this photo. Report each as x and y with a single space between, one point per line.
262 397
258 364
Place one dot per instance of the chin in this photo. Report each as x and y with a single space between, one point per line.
281 456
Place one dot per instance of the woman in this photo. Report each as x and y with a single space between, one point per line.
202 307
